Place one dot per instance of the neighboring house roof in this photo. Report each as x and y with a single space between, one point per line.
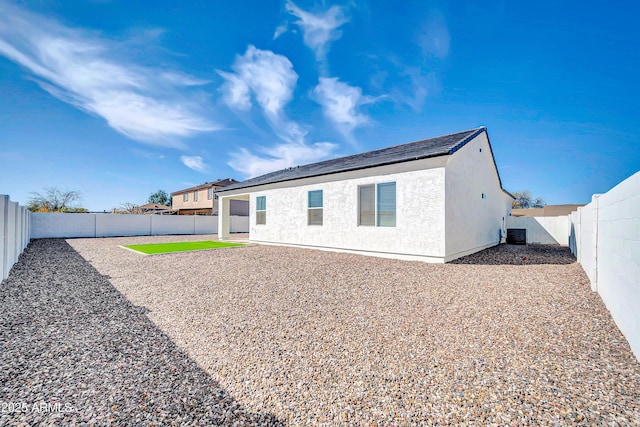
548 210
432 147
215 184
154 206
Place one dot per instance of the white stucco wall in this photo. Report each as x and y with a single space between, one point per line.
473 223
419 230
548 230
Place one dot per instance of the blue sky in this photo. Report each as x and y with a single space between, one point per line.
118 99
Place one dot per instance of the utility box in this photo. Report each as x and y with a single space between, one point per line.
516 236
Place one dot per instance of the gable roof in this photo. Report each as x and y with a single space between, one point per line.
219 183
154 206
433 147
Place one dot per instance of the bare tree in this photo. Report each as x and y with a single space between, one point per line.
128 208
524 200
55 200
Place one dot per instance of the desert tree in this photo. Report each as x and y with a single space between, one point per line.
128 208
52 199
160 197
525 200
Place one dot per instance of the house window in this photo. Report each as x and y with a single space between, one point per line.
195 196
386 204
314 213
366 205
210 193
261 210
185 197
377 208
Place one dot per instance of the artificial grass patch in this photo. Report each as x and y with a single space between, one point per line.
162 248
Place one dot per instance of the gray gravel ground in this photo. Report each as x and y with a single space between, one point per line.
74 351
317 337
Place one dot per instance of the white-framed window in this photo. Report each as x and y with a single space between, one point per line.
195 196
185 197
261 210
377 205
314 205
209 193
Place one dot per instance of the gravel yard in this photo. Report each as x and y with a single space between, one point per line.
266 334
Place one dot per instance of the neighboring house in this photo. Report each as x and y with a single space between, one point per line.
433 200
202 200
155 208
548 210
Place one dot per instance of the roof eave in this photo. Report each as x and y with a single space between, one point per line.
223 189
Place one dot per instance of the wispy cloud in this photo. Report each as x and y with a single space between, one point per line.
278 157
420 83
146 104
194 162
320 29
434 37
340 102
268 79
271 79
280 30
147 154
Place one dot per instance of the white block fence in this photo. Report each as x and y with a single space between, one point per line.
605 237
65 225
14 233
547 230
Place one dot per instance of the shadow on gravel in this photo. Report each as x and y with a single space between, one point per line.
530 254
74 350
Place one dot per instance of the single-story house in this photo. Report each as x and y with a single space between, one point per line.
202 200
433 200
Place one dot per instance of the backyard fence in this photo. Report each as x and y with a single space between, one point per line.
64 225
605 238
14 233
548 230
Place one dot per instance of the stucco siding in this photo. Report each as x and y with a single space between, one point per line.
419 230
473 221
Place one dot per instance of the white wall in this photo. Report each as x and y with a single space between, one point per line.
548 230
588 239
64 225
15 225
46 225
419 231
474 223
606 240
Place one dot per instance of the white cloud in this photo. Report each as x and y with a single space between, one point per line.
236 93
279 157
280 30
271 79
195 163
319 29
419 84
434 38
339 102
145 103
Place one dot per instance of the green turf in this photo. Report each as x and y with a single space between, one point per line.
162 248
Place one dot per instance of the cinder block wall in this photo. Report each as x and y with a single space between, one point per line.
14 233
605 237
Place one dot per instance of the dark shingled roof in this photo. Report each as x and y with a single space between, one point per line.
432 147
